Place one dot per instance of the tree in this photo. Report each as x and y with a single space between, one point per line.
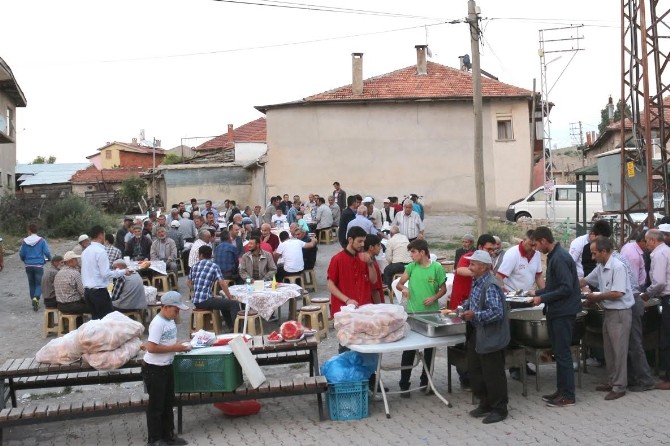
133 188
171 158
604 116
42 160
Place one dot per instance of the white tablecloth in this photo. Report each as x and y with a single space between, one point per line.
268 300
156 265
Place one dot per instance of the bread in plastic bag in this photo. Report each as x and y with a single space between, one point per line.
63 350
108 333
114 359
371 324
150 293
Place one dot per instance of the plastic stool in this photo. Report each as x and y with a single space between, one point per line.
162 283
136 315
254 323
50 322
325 237
146 281
173 281
153 310
293 278
324 304
312 317
309 283
180 267
209 320
68 322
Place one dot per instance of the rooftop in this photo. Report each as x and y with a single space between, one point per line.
254 131
93 175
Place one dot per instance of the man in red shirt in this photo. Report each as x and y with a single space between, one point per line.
373 246
460 289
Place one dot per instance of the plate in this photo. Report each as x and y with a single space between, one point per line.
296 340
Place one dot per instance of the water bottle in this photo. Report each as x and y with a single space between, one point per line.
250 287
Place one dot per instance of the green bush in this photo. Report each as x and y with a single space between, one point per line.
62 217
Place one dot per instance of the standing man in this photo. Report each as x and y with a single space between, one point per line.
96 274
157 371
427 283
522 268
120 241
292 214
348 214
201 282
616 296
467 245
112 252
256 217
270 210
409 222
397 255
487 337
34 253
580 250
659 273
633 252
562 298
187 228
340 195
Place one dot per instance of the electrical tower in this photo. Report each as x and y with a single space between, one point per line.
556 41
644 82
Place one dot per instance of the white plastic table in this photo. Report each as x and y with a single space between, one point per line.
413 341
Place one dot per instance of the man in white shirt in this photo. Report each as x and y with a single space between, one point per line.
580 250
409 222
96 274
396 255
373 213
633 251
521 268
290 250
204 238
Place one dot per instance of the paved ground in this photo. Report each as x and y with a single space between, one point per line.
421 420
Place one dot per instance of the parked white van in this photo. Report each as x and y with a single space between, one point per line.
564 200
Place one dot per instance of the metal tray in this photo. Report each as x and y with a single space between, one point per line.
435 324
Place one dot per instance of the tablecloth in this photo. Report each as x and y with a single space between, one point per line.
268 300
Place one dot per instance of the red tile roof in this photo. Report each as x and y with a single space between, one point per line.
441 82
133 147
254 131
92 175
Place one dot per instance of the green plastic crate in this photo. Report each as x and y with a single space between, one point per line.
348 401
206 373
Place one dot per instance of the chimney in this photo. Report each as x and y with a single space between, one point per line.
231 133
610 109
421 64
357 73
134 141
588 139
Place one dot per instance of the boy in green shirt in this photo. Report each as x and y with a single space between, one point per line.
428 283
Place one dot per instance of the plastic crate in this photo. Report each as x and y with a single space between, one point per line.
348 401
206 373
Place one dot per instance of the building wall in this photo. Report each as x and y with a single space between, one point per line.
396 149
610 143
7 150
132 159
215 183
109 157
81 188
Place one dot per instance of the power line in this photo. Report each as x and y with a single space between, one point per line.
322 8
583 22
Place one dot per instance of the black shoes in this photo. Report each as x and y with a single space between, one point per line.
550 397
480 412
177 441
494 417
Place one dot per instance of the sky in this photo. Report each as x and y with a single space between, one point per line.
182 70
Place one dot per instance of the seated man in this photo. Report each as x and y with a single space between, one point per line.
257 264
175 235
82 243
397 255
50 271
278 219
225 256
139 246
308 254
165 249
128 292
324 217
290 250
268 237
201 280
113 253
69 288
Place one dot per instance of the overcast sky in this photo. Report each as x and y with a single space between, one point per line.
94 72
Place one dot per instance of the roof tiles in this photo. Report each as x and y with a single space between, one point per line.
93 175
254 131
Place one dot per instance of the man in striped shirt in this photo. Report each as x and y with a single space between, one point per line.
69 287
409 222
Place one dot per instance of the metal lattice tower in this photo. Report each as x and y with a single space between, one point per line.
548 46
645 37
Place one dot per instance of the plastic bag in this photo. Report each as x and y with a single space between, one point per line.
202 338
108 333
349 367
114 359
63 350
150 293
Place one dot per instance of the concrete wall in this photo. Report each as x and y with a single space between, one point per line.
132 159
7 150
396 149
213 183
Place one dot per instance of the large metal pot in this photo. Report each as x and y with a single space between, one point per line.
529 328
651 320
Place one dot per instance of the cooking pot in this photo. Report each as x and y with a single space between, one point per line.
651 319
529 328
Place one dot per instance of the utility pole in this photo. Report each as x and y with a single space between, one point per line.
480 189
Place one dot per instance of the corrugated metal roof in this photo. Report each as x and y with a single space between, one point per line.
42 174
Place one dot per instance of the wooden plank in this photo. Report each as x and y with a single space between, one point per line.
52 410
15 413
275 385
7 364
4 413
124 401
263 388
28 412
106 405
286 384
89 406
77 407
25 365
64 408
41 411
299 383
136 400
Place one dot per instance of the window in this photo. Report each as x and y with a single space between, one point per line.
11 129
10 181
563 194
505 132
108 154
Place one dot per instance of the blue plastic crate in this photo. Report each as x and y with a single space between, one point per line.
348 401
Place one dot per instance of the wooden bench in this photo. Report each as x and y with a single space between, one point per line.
269 389
50 412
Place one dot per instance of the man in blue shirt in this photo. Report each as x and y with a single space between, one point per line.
225 256
362 220
201 280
